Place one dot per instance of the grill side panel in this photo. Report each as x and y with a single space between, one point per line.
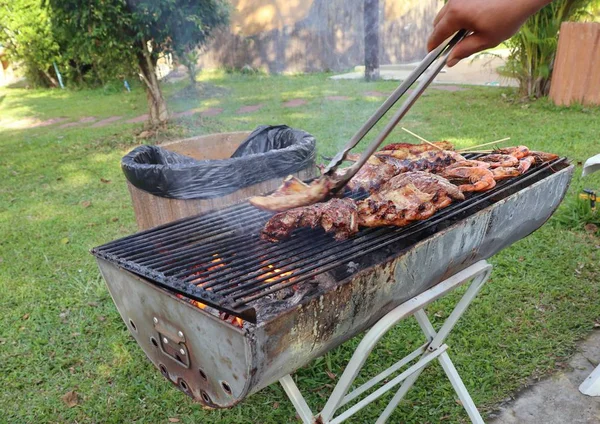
323 323
215 365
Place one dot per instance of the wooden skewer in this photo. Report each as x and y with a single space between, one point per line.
422 139
485 144
476 151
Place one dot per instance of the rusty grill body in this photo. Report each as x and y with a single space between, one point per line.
301 297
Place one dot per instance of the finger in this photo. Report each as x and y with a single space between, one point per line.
443 30
440 14
472 44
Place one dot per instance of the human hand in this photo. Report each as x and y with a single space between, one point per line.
490 21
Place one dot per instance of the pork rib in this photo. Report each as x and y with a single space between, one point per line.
294 193
442 190
398 207
337 216
403 199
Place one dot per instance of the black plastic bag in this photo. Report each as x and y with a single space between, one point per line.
269 152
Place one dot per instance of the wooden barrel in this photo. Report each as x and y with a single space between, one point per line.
151 210
576 75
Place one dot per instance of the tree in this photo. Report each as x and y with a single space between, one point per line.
26 34
371 23
191 34
136 32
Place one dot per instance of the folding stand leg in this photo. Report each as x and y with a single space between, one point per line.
433 349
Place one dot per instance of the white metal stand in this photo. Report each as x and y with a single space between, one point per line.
591 385
434 348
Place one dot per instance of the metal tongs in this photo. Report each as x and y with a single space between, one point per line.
441 52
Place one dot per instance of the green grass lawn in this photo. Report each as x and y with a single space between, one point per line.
59 329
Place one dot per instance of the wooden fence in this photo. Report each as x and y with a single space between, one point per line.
576 76
318 35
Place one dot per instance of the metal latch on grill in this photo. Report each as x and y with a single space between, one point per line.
172 342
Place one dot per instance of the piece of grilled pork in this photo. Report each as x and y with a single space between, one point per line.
337 216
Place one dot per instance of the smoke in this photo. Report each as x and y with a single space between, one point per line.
286 37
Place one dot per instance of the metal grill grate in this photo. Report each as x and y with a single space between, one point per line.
219 259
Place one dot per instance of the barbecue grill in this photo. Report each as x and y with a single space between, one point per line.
273 307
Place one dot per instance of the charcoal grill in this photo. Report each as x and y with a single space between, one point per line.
224 314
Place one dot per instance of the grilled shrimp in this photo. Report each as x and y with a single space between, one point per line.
496 160
526 163
469 164
518 151
543 157
479 179
503 173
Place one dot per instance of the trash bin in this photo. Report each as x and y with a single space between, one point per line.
187 177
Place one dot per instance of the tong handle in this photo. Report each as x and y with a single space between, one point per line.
394 97
410 101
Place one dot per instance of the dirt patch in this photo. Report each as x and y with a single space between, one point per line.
138 119
49 122
106 121
70 125
295 103
202 91
249 109
337 98
185 113
27 123
211 112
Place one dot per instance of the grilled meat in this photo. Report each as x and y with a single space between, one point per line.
373 172
433 161
373 176
294 193
370 177
398 154
442 190
468 164
404 186
340 216
418 148
399 203
397 207
337 216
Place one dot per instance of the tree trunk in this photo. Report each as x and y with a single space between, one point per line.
191 68
158 113
371 22
192 74
51 80
189 59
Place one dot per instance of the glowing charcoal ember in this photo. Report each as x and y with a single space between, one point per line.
275 273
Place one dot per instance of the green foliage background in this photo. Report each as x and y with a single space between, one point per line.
97 41
533 48
26 34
